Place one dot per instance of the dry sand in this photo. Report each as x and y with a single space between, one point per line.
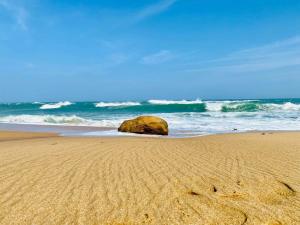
221 179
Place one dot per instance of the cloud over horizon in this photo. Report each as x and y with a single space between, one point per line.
276 55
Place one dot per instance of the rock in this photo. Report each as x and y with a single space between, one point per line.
145 125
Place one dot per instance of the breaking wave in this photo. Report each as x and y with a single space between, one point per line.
72 120
256 106
186 116
56 105
157 106
288 106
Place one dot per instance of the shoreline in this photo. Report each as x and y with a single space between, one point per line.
93 131
64 130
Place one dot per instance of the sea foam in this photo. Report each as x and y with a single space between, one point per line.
183 116
56 105
288 106
71 120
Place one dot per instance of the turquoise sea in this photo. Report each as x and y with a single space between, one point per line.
185 117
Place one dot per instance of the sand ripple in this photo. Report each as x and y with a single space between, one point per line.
222 179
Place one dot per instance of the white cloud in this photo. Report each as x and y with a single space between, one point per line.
154 9
276 55
19 13
159 57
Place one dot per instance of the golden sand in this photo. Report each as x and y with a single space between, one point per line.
220 179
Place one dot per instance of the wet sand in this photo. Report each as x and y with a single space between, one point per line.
62 130
229 179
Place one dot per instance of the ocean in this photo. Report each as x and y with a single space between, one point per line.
185 117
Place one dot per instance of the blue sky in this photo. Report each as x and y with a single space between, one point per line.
130 50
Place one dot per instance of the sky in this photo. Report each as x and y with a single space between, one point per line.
90 50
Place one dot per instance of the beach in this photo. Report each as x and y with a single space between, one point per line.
245 178
154 112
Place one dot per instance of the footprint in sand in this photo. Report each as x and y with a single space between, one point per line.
193 207
274 192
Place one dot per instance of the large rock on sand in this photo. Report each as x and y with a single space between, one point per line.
145 125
